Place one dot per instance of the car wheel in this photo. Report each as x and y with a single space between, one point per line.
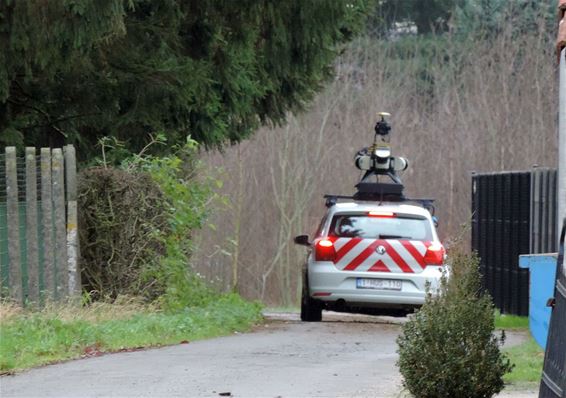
311 310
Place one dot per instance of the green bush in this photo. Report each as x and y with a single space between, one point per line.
186 198
449 349
119 214
136 223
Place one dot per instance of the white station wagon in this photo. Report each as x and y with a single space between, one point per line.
370 257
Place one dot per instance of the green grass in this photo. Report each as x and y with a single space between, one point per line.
30 339
528 359
511 321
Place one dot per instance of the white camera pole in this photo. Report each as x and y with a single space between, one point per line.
562 142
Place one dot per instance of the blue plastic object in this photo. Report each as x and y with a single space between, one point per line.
542 269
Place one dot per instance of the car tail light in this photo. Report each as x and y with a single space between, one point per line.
434 254
324 250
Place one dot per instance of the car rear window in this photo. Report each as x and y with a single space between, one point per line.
363 226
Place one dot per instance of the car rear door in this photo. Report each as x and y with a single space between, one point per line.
382 242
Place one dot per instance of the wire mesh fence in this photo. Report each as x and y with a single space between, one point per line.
38 223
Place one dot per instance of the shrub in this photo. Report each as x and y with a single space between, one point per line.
136 223
186 199
448 349
119 214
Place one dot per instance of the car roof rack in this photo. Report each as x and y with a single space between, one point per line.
381 196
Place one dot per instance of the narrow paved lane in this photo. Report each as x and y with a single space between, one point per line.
340 357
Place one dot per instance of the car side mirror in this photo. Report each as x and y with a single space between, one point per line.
435 221
302 240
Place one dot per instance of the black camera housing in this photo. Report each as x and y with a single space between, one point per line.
382 128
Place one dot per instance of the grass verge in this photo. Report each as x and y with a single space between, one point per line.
511 321
29 339
528 358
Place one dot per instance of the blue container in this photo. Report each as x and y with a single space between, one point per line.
542 269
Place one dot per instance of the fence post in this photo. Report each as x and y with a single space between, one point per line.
58 181
13 223
72 222
31 226
47 222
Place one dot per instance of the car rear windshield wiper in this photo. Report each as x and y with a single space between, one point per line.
394 237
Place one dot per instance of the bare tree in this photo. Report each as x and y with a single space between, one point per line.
474 106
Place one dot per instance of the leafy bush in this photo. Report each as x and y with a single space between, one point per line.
186 199
136 223
448 349
119 214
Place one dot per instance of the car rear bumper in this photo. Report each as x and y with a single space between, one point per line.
328 284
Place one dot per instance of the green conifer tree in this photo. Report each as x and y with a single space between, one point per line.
74 71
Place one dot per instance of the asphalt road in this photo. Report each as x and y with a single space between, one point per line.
343 356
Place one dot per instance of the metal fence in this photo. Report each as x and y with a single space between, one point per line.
553 383
543 231
513 213
38 225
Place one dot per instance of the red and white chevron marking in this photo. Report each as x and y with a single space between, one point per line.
356 254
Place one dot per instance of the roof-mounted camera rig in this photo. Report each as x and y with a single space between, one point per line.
377 162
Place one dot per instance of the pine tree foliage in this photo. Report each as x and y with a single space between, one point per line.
486 18
76 70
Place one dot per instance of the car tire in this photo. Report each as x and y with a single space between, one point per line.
311 310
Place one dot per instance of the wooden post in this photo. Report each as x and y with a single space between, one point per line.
15 271
58 189
75 287
31 226
47 221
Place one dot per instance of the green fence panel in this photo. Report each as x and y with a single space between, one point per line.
40 248
23 247
4 259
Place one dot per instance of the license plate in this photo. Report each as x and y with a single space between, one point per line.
380 284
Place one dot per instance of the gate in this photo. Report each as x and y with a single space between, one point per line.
513 213
553 384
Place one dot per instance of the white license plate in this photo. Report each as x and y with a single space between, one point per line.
380 284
